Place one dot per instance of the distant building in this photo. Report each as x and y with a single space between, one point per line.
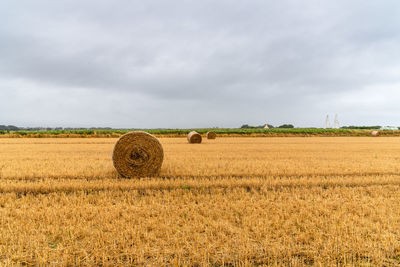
266 126
392 128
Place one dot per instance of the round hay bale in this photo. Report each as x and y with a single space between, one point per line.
137 154
194 137
375 133
211 135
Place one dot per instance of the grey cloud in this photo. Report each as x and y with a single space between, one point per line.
197 63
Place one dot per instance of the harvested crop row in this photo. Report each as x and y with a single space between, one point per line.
46 186
237 226
32 159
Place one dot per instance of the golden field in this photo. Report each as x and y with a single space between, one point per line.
324 201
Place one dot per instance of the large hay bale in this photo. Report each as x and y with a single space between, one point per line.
137 154
211 135
375 133
194 137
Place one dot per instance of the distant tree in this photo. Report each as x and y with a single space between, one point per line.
246 126
286 126
9 128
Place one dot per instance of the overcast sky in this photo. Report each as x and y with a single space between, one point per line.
184 64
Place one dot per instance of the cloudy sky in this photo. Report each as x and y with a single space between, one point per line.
168 64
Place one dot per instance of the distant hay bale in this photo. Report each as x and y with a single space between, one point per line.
375 133
137 154
211 135
194 138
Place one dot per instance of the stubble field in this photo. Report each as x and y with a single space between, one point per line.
229 201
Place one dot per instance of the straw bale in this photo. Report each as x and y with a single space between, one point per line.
375 133
137 154
211 135
194 137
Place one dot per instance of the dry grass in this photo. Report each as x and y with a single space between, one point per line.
234 201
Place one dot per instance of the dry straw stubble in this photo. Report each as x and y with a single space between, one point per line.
211 135
277 200
194 137
138 154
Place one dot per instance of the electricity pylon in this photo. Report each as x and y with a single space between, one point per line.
327 122
336 123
